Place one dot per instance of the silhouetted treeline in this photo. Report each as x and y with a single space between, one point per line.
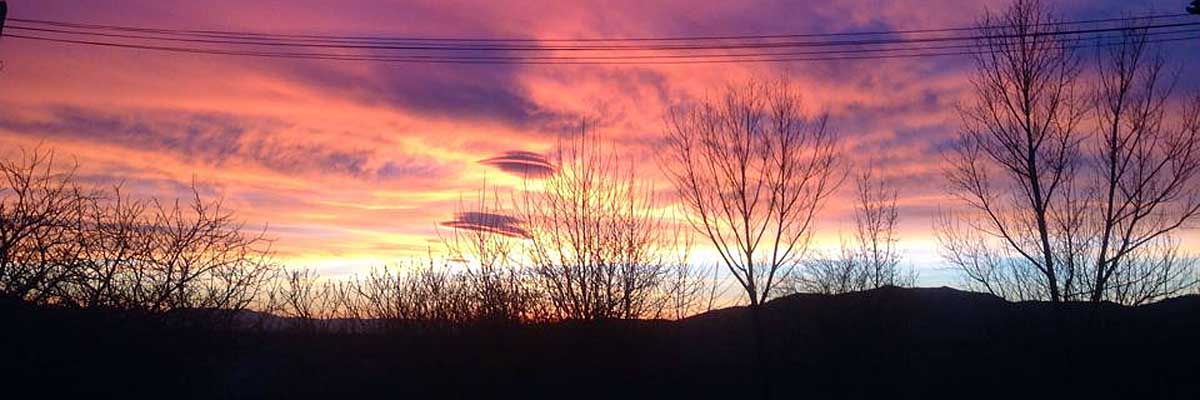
591 242
66 244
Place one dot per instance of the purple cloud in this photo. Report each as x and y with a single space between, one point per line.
522 163
488 222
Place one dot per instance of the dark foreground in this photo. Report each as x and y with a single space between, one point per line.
888 343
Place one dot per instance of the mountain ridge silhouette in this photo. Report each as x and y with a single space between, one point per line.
883 343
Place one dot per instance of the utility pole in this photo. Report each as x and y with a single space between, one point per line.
4 14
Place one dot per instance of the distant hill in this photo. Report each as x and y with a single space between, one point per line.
884 343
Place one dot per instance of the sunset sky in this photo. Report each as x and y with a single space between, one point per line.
353 164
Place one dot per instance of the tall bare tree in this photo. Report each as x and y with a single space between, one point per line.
1020 140
1075 212
875 220
1148 175
753 169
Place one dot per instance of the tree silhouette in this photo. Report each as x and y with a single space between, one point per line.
61 243
40 212
753 170
872 260
1060 212
486 241
1023 122
1148 177
598 243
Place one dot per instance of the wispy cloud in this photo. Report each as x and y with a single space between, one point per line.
220 139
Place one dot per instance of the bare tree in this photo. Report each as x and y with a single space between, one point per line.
300 295
417 296
40 209
986 265
110 243
873 260
484 239
753 169
597 241
875 220
1015 161
63 244
689 289
842 272
1148 180
1072 214
199 257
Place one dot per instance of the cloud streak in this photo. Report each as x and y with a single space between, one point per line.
218 139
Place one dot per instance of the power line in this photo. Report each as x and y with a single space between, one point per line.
246 34
719 55
3 15
445 60
444 53
1062 36
735 46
